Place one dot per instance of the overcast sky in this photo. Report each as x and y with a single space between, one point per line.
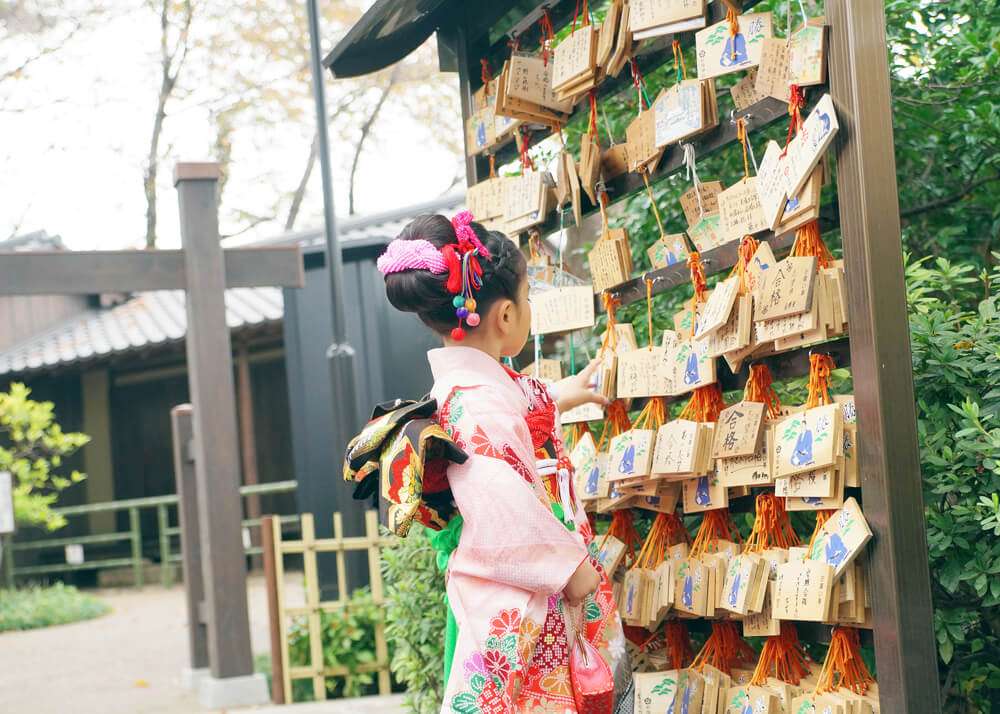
74 167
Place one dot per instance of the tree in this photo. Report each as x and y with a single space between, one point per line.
32 448
175 42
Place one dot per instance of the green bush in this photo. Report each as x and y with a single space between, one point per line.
415 616
955 333
348 641
59 604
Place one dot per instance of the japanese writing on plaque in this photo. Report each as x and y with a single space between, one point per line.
562 309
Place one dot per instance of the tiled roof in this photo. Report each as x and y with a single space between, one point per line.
148 319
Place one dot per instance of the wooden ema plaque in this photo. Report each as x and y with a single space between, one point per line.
772 74
802 591
667 250
842 538
744 92
708 192
574 58
739 429
719 53
640 134
684 110
787 289
651 18
562 309
740 212
610 260
806 52
809 145
530 78
807 441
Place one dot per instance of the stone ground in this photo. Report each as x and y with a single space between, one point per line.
129 661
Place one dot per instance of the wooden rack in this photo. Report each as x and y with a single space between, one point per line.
878 349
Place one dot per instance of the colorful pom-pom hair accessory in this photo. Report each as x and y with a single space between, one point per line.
466 273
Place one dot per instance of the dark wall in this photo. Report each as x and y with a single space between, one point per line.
390 362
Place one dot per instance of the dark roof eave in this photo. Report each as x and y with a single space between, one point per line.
362 52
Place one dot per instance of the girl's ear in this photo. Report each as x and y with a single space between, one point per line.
506 320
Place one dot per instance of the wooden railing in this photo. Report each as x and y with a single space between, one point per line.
169 552
281 613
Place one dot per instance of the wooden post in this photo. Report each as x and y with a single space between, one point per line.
378 597
187 516
248 442
270 554
216 445
889 462
135 530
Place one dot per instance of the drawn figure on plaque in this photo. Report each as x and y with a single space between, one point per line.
686 702
631 598
481 134
802 455
761 264
836 551
687 595
652 501
824 119
701 496
627 465
735 52
592 479
790 205
812 500
735 592
691 369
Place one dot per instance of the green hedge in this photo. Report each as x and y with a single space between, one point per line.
59 604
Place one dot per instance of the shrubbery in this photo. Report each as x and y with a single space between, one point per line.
59 604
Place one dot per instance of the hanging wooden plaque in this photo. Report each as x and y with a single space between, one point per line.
719 52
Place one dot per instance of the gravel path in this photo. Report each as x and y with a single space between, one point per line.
127 662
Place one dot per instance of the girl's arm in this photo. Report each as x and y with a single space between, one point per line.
576 390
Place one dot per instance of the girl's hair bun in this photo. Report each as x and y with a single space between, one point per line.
425 293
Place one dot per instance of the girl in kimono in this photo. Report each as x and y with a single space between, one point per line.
524 575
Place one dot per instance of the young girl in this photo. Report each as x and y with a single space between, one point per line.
524 575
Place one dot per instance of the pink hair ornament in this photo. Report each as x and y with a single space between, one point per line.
419 254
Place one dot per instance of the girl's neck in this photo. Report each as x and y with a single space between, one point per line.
478 342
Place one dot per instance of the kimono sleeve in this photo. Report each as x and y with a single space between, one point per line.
510 534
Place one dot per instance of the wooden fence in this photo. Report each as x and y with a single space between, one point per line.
275 548
169 553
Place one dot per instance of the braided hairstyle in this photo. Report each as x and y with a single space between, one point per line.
424 293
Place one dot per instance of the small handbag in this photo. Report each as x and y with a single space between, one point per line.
591 677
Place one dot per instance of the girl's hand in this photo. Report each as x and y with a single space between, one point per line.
582 583
576 390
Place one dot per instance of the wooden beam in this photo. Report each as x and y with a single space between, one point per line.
889 463
63 272
216 444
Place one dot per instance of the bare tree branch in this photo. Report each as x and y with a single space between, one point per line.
365 131
300 190
255 221
948 200
41 53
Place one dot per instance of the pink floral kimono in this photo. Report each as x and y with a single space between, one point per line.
515 555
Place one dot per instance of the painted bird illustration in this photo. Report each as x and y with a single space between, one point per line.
836 551
735 52
824 119
734 593
802 455
627 465
691 369
701 496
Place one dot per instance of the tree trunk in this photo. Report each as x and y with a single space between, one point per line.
365 131
300 190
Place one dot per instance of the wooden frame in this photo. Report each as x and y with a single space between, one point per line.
275 549
879 353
